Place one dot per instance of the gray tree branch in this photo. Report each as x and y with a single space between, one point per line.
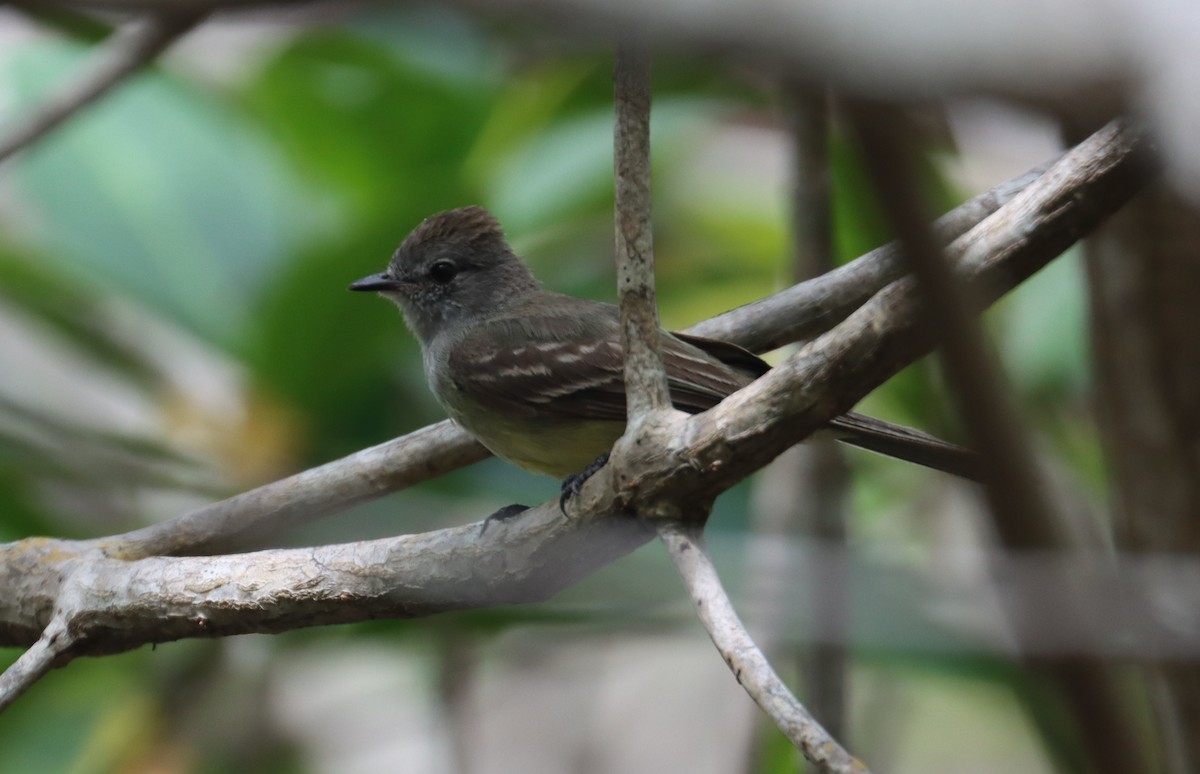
645 377
744 658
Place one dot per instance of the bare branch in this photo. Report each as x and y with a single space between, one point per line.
294 501
645 377
123 54
111 604
745 660
1011 481
34 663
881 337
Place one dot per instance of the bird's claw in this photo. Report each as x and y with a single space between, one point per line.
573 483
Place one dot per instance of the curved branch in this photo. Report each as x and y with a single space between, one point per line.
747 662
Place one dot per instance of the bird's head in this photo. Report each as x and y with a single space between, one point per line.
451 269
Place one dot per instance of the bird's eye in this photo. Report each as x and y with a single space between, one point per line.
443 271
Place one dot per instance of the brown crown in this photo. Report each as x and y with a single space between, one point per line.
472 225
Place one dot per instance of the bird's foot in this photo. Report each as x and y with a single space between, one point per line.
574 482
504 514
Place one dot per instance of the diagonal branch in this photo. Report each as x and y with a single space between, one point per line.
886 334
121 55
812 307
297 500
34 662
1011 480
744 658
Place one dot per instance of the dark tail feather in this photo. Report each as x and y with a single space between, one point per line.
905 444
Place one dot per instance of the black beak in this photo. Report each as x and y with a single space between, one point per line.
379 281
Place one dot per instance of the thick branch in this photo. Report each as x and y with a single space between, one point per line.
110 605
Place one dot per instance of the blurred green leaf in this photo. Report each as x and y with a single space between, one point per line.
160 191
383 138
1042 332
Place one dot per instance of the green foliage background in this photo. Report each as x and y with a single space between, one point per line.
234 212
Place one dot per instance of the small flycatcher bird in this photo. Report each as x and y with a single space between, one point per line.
538 377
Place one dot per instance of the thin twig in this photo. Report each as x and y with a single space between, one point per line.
748 664
645 378
34 662
121 55
296 500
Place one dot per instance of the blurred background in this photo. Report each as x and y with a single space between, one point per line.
175 328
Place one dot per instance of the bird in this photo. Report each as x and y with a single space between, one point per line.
537 376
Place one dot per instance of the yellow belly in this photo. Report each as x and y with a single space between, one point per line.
556 448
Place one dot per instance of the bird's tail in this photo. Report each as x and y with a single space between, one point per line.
906 444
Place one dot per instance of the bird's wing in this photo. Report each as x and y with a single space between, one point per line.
567 362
